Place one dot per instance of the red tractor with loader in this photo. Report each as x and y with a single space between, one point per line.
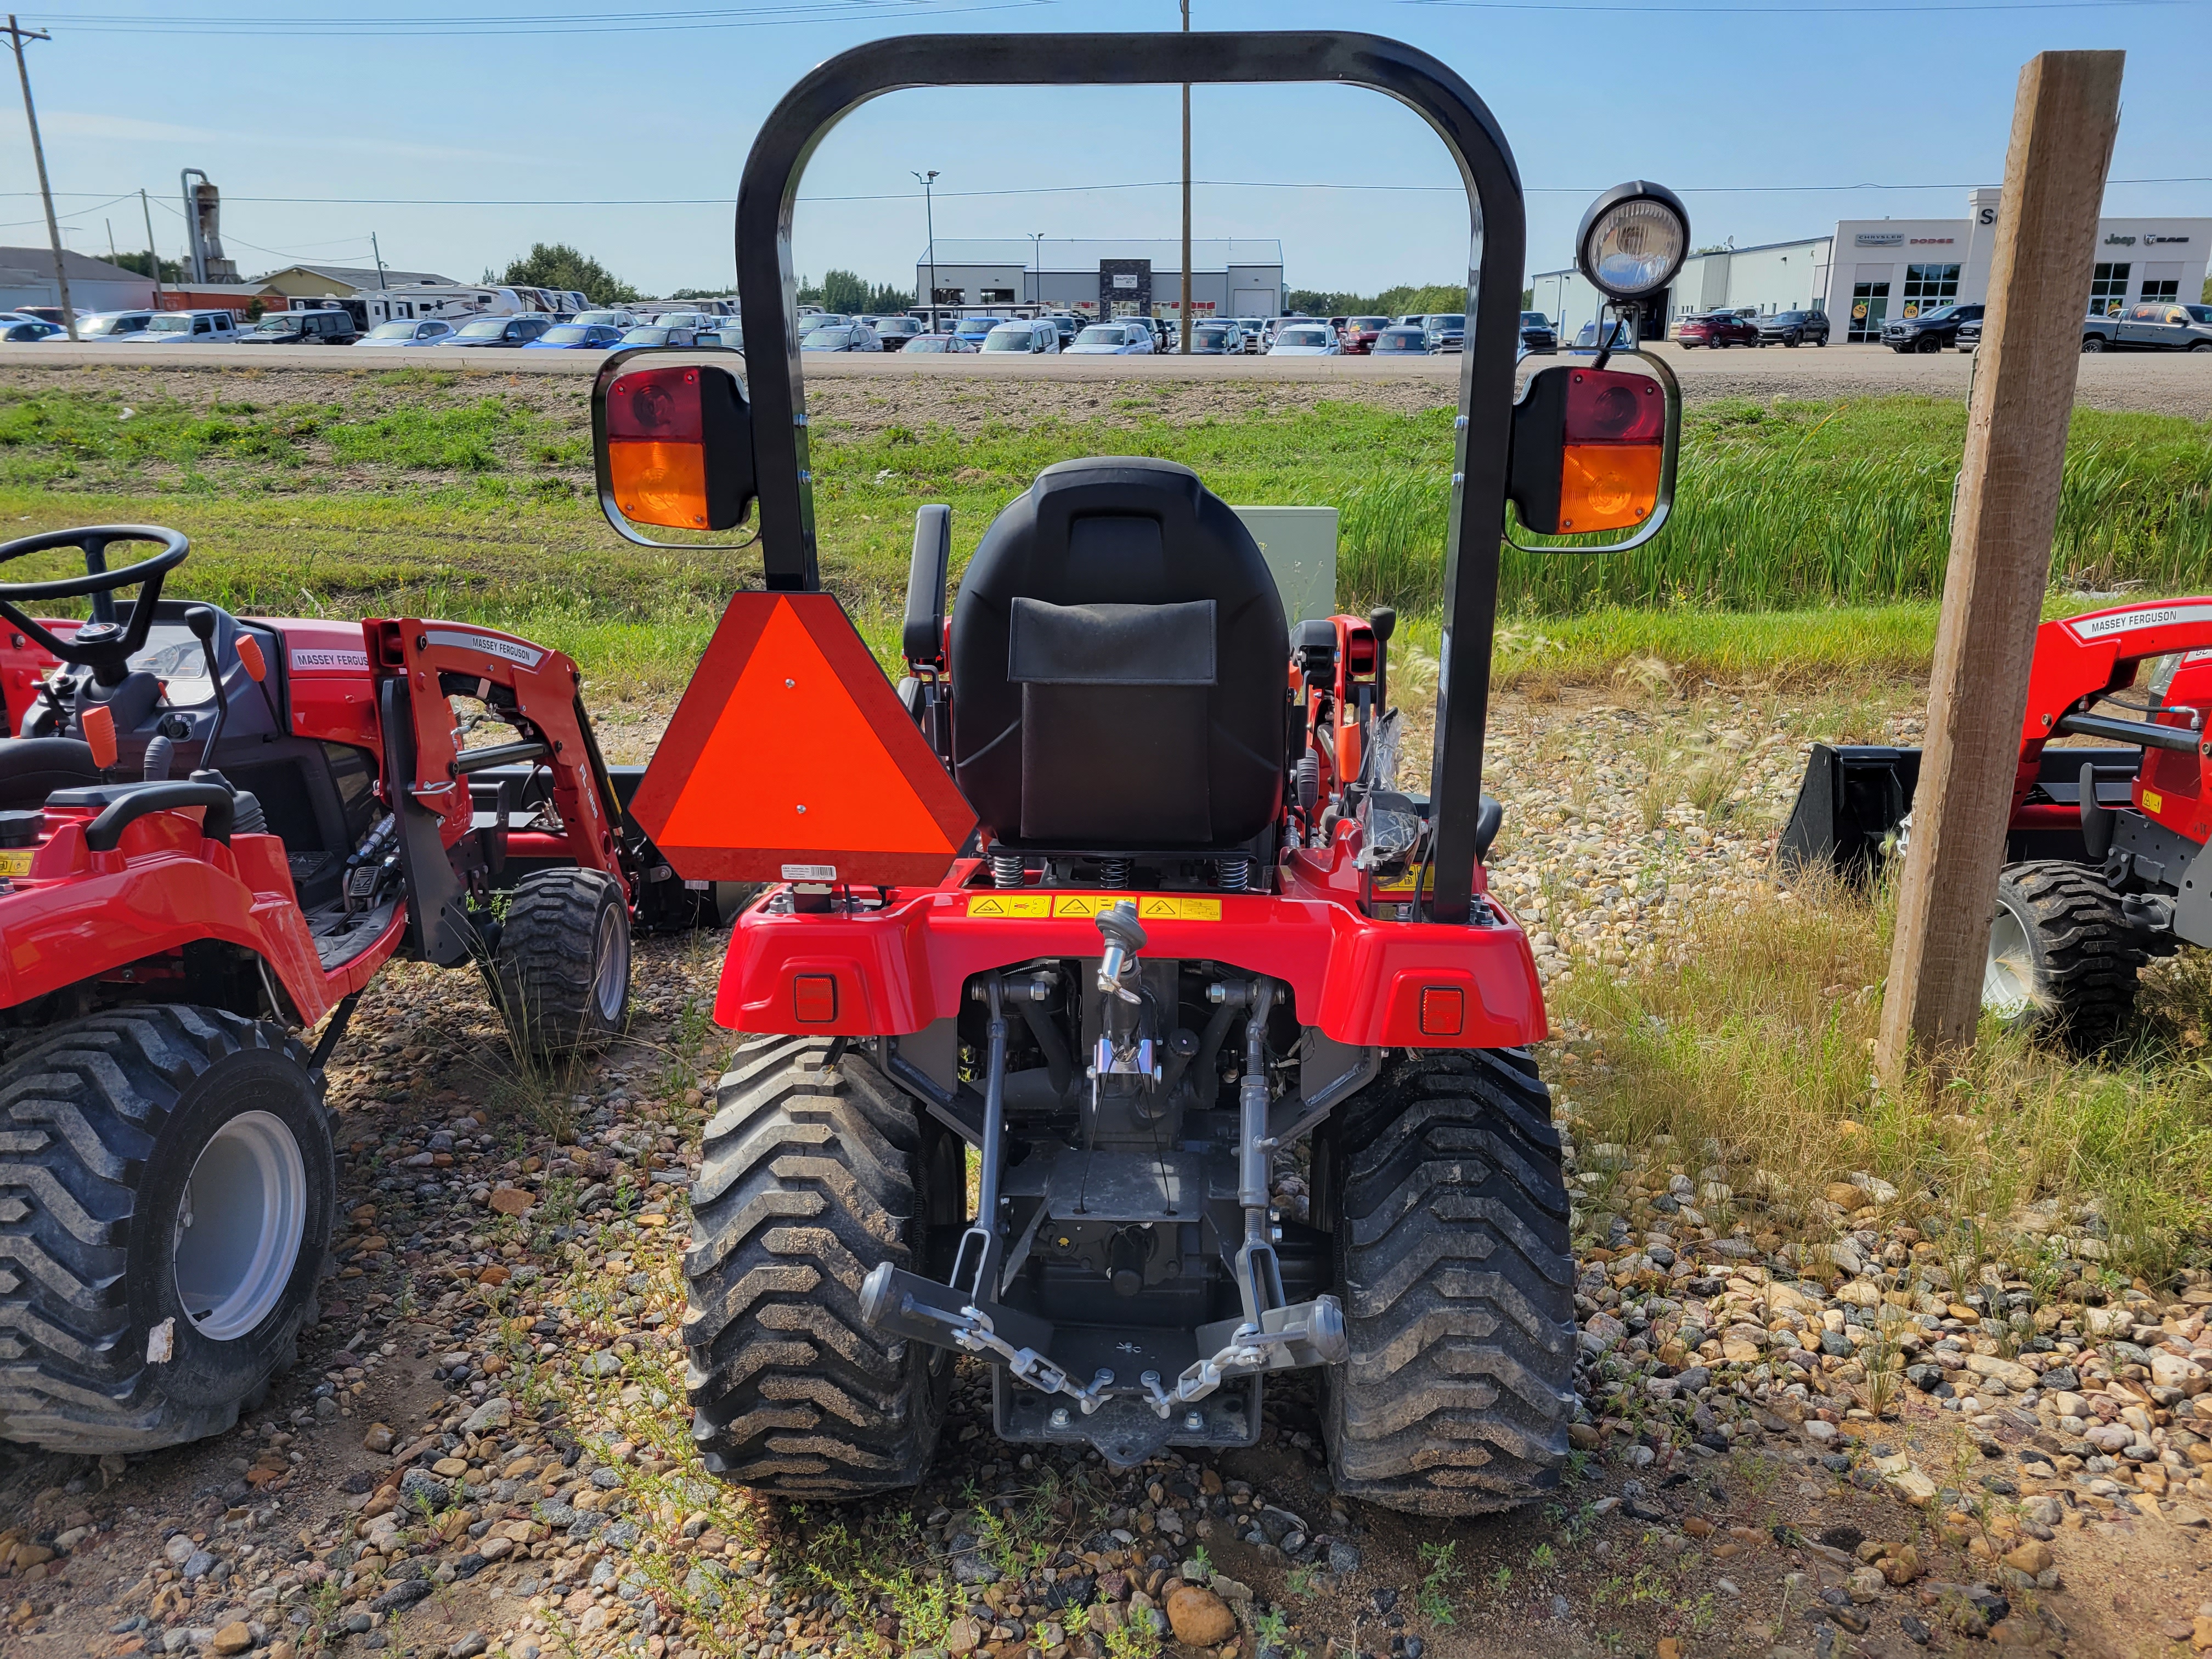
1117 893
214 831
2106 866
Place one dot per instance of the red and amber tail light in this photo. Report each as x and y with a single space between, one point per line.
1592 450
673 445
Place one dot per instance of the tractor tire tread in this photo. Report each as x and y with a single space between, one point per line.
82 1108
2089 954
543 967
1458 1283
808 1177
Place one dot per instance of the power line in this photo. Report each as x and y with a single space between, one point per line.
1064 190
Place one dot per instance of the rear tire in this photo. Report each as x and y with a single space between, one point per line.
1451 1212
168 1177
811 1175
560 970
2063 957
2093 343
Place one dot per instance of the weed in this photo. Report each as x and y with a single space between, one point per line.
1542 1559
1441 1567
1138 1639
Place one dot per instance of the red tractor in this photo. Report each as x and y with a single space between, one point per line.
1117 891
2105 864
214 830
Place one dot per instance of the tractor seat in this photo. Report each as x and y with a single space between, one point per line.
31 769
1118 659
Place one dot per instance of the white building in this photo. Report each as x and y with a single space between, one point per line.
1238 277
1868 271
26 278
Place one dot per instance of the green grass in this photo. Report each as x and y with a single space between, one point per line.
1810 538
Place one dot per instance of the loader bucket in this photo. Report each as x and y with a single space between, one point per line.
1853 797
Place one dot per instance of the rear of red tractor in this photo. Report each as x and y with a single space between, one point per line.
2105 864
214 830
1118 891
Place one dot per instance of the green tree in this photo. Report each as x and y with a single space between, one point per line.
888 298
173 271
842 291
557 265
1404 299
703 292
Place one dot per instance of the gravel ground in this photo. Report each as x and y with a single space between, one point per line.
1026 387
485 1451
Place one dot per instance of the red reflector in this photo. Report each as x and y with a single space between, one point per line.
661 403
1606 407
814 999
1444 1010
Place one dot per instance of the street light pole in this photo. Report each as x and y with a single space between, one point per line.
377 254
153 253
1036 263
1182 334
929 214
17 34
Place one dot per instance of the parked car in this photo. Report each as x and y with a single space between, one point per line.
939 344
29 331
1715 329
188 328
487 331
1931 331
1070 325
656 334
1126 339
894 331
1401 340
1417 319
420 331
1306 340
824 319
1537 333
1793 328
1586 335
1216 340
1970 336
976 330
106 324
329 327
1358 333
1446 330
616 319
2151 326
578 336
1034 336
39 315
848 334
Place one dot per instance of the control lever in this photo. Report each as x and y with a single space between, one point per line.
256 670
201 620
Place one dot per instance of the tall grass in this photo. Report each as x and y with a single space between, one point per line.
1805 505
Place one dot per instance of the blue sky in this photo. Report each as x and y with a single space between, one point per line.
644 103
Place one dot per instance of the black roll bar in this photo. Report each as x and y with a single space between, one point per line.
768 292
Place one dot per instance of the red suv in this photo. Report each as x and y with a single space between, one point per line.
1721 328
1358 334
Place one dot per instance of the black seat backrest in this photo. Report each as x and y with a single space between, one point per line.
1119 666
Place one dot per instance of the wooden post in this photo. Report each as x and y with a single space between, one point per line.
2063 129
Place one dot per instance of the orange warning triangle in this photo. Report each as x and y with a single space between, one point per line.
790 749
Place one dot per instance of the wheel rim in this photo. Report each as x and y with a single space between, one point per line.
611 952
2009 973
239 1226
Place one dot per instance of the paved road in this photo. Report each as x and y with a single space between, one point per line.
2177 385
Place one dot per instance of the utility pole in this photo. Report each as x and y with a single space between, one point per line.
2063 127
1037 261
929 214
153 253
379 253
17 34
1183 332
110 224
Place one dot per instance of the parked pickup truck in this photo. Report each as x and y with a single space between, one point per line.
2150 325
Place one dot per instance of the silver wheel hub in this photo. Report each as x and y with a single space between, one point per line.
611 952
240 1224
2008 975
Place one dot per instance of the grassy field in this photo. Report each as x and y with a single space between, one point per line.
1810 538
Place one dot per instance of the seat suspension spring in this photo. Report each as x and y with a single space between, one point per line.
1006 869
1233 875
1115 873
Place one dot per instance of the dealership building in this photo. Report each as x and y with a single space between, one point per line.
1868 271
1241 276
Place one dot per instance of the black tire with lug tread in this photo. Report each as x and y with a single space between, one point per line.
2063 957
811 1174
104 1123
1450 1215
560 970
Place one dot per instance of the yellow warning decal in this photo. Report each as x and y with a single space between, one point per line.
2153 801
17 860
1164 907
1009 906
1080 904
1403 883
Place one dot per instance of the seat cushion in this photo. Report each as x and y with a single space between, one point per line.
31 769
1118 655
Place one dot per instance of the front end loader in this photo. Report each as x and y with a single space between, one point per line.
1118 894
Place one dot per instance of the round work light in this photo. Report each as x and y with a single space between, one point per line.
1634 239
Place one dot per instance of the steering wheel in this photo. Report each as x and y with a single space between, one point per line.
102 645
